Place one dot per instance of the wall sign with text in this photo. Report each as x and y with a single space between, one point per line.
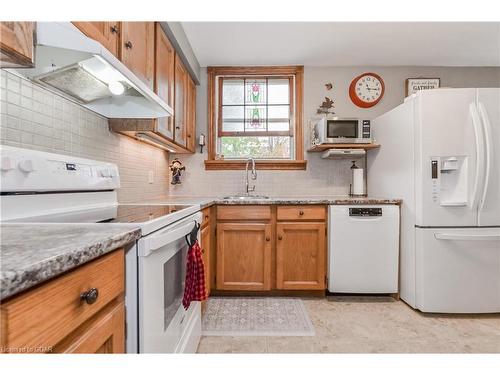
416 84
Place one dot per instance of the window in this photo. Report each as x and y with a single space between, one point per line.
255 112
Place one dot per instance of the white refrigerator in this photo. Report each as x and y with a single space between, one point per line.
440 153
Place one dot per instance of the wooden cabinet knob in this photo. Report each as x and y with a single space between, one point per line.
128 45
90 296
301 212
206 217
268 238
280 237
114 29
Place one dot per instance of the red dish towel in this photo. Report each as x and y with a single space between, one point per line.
194 288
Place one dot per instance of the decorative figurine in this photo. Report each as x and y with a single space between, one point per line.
329 86
326 106
176 167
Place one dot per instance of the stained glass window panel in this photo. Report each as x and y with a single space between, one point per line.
233 91
255 118
278 91
255 91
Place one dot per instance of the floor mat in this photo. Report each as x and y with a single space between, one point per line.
256 316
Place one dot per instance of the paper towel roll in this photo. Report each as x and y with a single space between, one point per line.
358 183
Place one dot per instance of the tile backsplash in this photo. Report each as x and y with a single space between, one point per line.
35 118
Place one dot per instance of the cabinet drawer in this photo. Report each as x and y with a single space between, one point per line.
45 315
243 212
206 216
301 213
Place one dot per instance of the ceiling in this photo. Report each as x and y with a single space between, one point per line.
345 43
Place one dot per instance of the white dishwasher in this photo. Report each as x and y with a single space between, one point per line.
363 249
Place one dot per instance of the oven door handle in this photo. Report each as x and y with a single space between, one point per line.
165 237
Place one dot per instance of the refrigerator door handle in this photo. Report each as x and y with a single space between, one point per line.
467 237
476 123
489 150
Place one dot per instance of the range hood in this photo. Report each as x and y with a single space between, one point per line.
71 64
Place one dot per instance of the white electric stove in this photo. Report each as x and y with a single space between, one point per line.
44 187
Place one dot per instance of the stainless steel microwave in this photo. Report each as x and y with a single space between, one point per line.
342 130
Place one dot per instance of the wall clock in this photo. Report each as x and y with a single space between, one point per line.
366 90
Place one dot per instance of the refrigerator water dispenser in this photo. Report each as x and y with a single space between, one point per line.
449 180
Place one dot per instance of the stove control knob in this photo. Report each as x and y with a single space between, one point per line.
105 173
27 166
7 163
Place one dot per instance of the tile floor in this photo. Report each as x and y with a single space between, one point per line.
372 325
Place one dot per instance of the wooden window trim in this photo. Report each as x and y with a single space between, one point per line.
299 163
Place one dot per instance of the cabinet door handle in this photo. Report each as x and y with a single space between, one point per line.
301 212
128 45
114 29
177 127
206 217
90 296
280 237
268 238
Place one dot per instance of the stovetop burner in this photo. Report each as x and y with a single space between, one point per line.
143 213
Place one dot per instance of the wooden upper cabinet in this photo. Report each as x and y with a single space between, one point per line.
300 256
105 32
244 256
180 110
17 44
165 77
191 115
137 50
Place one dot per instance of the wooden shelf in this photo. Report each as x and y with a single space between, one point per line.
364 146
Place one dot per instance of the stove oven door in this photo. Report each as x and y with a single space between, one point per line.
163 321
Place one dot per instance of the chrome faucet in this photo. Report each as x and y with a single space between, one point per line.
248 189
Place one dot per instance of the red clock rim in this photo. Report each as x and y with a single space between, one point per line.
356 100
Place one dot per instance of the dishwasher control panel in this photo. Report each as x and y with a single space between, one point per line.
365 211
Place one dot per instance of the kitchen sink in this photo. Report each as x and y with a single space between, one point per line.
246 197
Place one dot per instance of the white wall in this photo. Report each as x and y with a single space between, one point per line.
322 177
34 118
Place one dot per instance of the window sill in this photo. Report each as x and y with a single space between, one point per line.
211 165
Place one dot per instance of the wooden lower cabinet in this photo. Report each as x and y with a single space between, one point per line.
264 248
80 311
244 256
104 333
17 44
300 256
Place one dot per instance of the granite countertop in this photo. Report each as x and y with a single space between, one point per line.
33 253
299 200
